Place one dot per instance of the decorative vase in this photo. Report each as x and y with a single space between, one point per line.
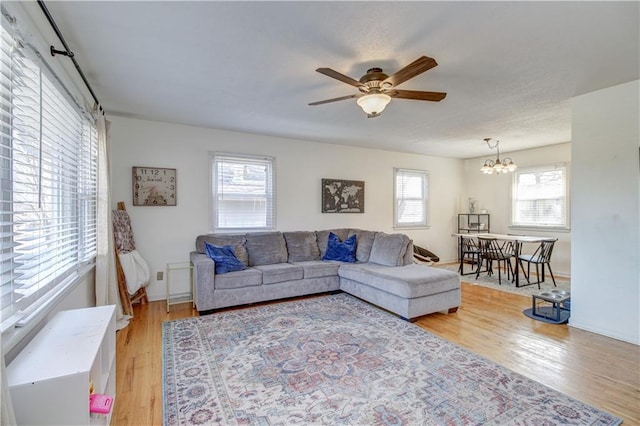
472 205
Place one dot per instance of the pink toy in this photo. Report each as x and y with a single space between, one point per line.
99 403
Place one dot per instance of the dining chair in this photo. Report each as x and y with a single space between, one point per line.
492 251
541 256
511 249
469 253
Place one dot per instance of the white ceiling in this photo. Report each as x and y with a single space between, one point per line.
509 68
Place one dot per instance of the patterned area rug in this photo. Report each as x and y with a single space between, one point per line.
492 281
335 360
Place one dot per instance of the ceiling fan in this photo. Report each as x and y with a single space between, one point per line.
377 88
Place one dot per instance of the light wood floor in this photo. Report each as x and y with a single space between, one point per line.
597 370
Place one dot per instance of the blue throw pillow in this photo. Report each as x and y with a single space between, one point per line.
344 251
225 258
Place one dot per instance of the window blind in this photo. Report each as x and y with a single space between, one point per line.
410 190
243 192
540 196
48 151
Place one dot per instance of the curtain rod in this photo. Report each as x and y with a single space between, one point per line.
67 52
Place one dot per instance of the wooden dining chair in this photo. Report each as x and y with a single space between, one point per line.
540 257
492 251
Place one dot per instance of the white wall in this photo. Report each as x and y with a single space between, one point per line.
606 212
494 194
167 234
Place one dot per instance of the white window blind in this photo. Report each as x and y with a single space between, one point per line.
48 151
540 196
411 198
243 192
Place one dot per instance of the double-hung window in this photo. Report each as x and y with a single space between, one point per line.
244 196
48 152
540 197
411 195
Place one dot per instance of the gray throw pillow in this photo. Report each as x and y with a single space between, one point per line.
237 241
365 243
389 249
408 256
266 248
302 246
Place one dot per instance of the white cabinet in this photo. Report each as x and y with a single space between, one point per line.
50 379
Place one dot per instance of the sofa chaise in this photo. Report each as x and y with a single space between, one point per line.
280 265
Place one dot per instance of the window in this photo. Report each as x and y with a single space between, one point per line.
48 151
411 188
540 196
243 192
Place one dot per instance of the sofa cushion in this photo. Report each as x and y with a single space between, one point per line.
237 241
302 246
365 242
343 251
224 258
266 248
319 268
408 255
249 277
408 281
280 272
323 238
389 249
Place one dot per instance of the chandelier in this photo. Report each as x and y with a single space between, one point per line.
498 166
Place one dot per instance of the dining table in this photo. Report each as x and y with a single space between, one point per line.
517 240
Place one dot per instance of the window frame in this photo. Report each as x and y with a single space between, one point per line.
566 225
270 200
424 223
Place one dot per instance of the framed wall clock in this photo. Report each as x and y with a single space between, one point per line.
154 186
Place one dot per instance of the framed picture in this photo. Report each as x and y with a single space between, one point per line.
154 186
342 196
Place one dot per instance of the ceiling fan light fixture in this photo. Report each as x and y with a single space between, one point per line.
373 103
377 88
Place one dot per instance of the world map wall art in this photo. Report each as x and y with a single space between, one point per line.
342 196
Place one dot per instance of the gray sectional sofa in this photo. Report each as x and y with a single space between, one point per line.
288 264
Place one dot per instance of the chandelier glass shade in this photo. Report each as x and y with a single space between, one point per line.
373 103
497 166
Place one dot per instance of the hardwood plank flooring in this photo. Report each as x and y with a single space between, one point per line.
597 370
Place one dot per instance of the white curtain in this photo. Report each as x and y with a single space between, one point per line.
106 277
7 416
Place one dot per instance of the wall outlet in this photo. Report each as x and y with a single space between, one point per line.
159 275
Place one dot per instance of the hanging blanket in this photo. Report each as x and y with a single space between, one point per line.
136 270
122 231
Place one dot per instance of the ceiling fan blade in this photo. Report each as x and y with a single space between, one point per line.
342 98
415 68
417 95
343 78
